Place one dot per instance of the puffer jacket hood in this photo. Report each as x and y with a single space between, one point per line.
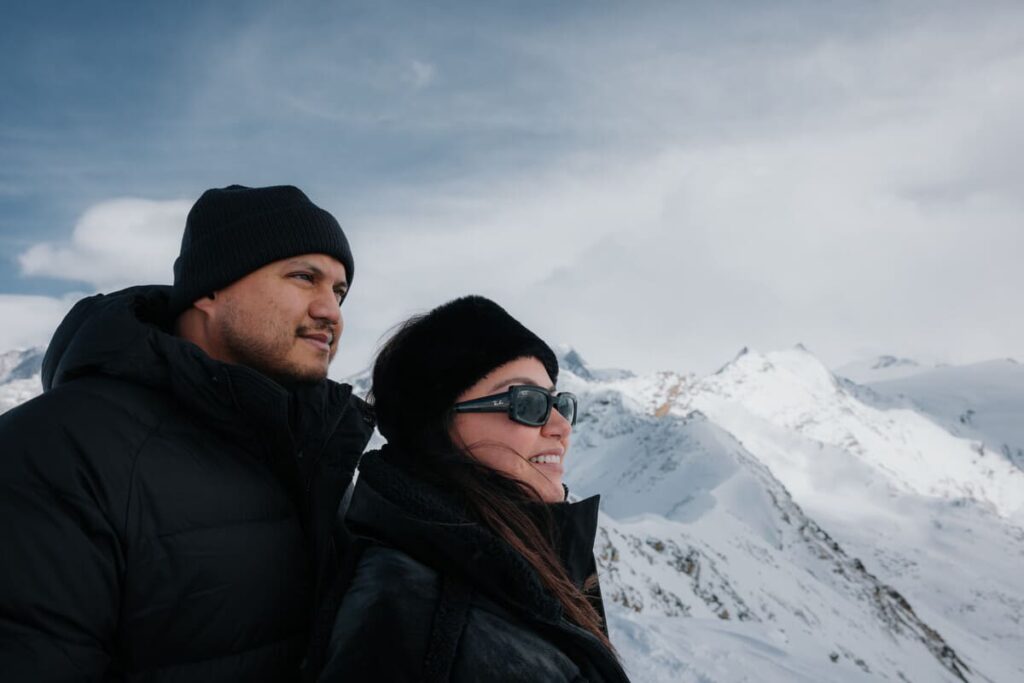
126 335
102 334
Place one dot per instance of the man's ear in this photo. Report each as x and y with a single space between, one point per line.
207 304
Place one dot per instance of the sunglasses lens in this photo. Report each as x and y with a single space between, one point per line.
530 407
566 405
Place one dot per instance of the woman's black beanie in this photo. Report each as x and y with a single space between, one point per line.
232 231
433 358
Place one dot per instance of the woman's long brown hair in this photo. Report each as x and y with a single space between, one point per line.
500 503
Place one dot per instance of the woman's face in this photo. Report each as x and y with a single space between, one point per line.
509 447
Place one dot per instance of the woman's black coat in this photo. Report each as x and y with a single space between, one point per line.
436 597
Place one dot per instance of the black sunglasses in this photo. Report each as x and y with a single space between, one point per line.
525 404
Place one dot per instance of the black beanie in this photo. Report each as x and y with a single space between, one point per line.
232 231
433 358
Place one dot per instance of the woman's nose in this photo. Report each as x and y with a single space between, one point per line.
556 426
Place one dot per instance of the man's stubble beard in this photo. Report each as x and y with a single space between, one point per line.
250 343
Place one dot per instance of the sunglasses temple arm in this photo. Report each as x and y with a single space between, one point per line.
485 405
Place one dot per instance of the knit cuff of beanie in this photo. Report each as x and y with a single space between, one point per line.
433 359
234 231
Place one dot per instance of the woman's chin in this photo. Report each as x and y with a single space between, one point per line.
553 492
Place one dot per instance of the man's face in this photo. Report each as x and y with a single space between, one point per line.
283 319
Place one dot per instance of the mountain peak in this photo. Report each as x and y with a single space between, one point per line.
881 368
739 354
892 361
21 363
793 369
571 360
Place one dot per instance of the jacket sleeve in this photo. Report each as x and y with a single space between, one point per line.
383 626
62 556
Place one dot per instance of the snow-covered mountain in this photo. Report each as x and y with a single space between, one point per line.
704 530
924 515
983 402
20 376
776 521
881 368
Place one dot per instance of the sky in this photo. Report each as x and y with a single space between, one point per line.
655 184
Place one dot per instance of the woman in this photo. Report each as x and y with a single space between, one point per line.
471 566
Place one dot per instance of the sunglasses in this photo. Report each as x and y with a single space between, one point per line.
525 404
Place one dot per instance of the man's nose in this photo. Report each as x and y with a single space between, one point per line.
324 306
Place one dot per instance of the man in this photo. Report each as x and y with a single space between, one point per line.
166 505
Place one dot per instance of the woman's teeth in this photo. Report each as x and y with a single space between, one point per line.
546 459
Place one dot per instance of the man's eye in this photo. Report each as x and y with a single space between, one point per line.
303 276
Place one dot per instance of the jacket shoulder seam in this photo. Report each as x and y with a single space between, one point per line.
135 457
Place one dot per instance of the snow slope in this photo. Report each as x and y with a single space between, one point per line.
20 376
697 528
937 516
983 402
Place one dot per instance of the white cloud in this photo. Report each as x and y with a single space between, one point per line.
31 320
882 217
740 177
114 244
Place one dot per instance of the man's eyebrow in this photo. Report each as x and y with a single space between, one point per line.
519 380
316 271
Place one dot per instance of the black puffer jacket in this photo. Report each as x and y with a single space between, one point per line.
164 516
435 597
